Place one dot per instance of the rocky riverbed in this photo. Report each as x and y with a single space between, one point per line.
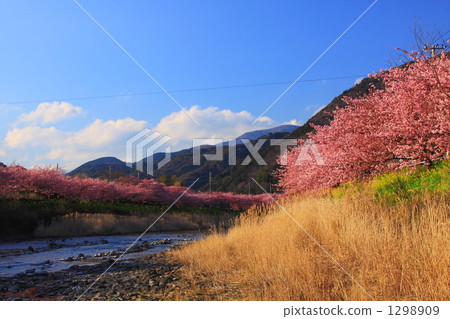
153 277
54 254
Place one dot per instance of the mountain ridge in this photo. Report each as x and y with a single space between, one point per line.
226 178
111 167
252 135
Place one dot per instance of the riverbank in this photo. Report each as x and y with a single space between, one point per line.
38 217
150 278
154 277
54 254
390 233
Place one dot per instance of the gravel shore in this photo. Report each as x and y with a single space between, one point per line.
153 277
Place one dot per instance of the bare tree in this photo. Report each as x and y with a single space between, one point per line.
428 41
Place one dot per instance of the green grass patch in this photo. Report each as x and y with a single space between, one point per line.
404 185
401 186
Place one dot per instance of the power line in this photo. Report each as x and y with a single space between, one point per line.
314 62
180 91
133 59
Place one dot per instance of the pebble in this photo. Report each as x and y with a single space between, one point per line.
145 278
151 277
14 289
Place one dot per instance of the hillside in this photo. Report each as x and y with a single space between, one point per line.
405 221
258 133
180 163
224 177
237 178
107 167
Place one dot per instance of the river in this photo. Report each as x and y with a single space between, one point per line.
53 254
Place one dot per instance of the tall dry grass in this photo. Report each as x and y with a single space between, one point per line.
398 252
77 224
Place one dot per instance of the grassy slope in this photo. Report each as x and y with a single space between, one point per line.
390 234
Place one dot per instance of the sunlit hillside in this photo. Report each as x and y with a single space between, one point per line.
389 250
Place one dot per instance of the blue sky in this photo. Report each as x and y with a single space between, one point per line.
52 53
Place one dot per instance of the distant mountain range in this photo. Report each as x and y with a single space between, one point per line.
253 135
234 178
112 167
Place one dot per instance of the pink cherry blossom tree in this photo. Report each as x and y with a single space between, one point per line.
406 124
16 180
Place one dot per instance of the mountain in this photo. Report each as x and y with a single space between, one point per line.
225 177
253 135
181 163
238 178
107 167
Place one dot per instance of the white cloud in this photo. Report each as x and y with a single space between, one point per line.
49 145
100 138
292 122
46 113
357 81
214 123
33 136
100 133
318 109
315 108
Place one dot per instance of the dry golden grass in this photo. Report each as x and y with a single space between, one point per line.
77 224
395 252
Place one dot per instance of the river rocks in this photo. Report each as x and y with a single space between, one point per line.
14 289
136 277
107 255
54 245
42 274
71 258
147 278
142 246
162 242
164 282
51 245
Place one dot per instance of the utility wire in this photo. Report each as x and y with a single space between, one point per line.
180 91
133 59
312 64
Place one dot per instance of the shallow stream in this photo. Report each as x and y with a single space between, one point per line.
33 256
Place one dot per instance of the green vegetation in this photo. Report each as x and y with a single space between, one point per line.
402 186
